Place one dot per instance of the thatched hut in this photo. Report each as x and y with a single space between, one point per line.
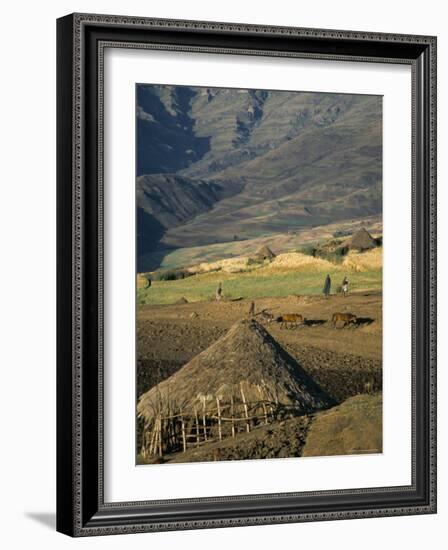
242 380
361 240
264 253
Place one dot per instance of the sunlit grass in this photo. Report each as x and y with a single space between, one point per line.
255 284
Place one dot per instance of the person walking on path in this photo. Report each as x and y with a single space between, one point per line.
327 286
252 309
345 287
218 293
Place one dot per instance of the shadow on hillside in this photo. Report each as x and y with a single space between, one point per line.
152 261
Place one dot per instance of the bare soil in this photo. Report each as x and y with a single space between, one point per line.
341 359
354 427
283 439
345 362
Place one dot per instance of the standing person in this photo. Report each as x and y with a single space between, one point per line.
218 293
327 286
252 309
345 286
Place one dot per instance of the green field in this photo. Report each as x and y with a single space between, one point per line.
254 284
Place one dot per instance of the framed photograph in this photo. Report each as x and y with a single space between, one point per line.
246 274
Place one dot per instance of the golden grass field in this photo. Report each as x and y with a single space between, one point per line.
288 273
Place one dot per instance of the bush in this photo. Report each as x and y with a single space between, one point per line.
171 275
335 255
308 250
342 233
255 261
341 251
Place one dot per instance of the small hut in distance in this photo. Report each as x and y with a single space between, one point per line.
264 253
361 240
243 380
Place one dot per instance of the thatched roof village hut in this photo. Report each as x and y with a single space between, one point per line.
242 380
264 253
361 240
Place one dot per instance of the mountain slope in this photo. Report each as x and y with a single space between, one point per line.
173 199
226 162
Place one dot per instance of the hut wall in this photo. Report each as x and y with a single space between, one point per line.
178 432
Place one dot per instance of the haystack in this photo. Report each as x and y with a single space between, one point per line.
244 379
361 240
264 253
368 260
299 262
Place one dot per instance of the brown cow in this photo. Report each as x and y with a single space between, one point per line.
290 320
346 318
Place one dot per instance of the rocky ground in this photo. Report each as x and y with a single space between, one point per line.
280 440
354 427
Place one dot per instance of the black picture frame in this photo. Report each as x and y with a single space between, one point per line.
81 510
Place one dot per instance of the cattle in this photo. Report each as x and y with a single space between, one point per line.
290 320
345 318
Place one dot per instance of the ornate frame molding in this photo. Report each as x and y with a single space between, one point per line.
81 40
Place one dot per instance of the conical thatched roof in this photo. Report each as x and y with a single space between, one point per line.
246 357
265 253
361 240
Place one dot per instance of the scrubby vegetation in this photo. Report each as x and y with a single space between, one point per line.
308 250
170 275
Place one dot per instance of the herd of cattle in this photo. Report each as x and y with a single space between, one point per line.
293 320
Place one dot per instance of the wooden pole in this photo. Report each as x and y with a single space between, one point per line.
152 439
144 442
263 404
246 412
197 426
148 442
265 413
172 432
184 438
232 415
156 438
204 422
160 436
167 431
219 419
